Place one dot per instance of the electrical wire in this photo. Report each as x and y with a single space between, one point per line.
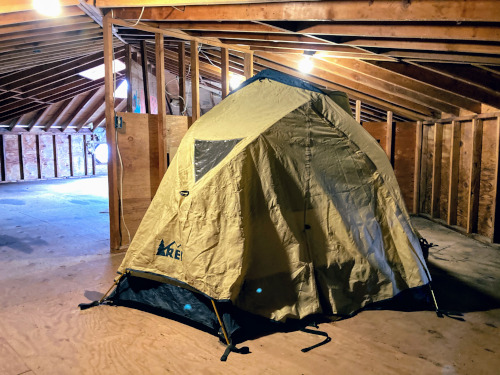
140 16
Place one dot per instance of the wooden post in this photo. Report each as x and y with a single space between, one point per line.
436 169
114 216
160 95
38 161
358 111
145 76
3 172
418 162
85 156
453 175
224 73
21 161
70 149
248 65
496 190
128 76
389 141
54 151
474 176
195 81
182 76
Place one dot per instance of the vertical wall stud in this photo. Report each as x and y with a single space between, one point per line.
453 175
224 72
21 160
195 81
114 216
182 75
38 158
128 76
145 75
248 65
496 189
418 167
70 149
160 95
54 151
436 169
474 176
389 138
3 158
358 111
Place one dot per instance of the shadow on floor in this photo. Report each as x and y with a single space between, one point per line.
23 245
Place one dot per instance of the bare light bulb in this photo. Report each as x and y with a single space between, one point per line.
236 81
49 8
306 64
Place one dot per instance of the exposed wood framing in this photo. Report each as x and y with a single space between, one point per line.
453 173
474 176
389 150
145 76
195 81
114 215
160 95
418 167
496 189
224 72
357 113
436 169
181 55
248 68
128 75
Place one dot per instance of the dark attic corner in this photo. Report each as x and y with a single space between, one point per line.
254 187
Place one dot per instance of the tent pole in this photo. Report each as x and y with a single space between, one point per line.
220 322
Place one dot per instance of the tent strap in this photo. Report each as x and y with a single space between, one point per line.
319 333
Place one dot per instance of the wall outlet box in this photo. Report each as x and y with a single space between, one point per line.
118 122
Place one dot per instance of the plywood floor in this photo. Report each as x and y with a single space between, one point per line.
53 255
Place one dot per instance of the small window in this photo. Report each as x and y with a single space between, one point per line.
207 154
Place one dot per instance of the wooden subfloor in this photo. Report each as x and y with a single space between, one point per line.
49 264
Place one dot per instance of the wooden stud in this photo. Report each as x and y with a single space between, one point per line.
145 76
224 74
436 169
389 142
21 160
195 81
3 171
418 167
358 111
54 152
114 216
92 137
70 149
474 176
496 190
85 151
128 75
161 100
181 55
248 65
453 175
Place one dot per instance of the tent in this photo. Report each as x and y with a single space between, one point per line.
277 205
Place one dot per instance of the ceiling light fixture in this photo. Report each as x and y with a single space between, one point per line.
306 64
49 8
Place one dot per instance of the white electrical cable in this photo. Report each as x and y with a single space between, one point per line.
140 16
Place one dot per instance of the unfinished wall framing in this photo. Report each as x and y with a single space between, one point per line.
28 156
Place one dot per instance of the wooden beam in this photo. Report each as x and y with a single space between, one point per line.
358 111
3 170
479 10
195 81
162 105
485 33
496 189
128 75
32 15
145 76
224 72
436 169
54 152
181 55
390 135
248 68
453 175
474 176
114 215
418 166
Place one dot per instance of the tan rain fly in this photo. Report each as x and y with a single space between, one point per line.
279 201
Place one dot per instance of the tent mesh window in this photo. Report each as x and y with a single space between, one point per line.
207 154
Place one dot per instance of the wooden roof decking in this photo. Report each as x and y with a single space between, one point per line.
418 59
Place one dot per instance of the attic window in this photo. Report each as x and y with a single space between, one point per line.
207 154
97 72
